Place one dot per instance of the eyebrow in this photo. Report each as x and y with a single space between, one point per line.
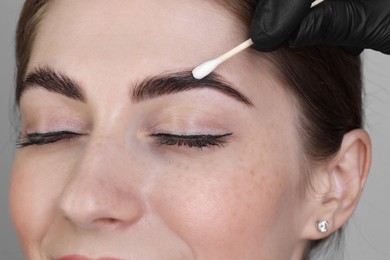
49 79
148 88
172 83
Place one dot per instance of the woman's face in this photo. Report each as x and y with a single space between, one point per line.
124 155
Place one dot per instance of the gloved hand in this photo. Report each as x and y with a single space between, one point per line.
353 25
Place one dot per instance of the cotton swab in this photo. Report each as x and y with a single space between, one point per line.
207 67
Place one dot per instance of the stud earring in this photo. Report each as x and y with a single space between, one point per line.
322 226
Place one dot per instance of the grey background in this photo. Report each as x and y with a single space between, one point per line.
368 231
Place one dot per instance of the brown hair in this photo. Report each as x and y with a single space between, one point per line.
325 82
30 17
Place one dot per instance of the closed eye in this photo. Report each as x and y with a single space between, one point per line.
45 138
197 141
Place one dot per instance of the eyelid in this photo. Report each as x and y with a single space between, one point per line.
191 136
53 120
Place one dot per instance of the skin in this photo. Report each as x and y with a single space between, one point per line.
115 192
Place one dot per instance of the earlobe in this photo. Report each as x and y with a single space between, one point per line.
340 184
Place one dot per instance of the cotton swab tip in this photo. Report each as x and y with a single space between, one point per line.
205 68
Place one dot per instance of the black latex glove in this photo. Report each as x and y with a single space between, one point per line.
353 25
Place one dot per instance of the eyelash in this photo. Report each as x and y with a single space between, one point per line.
45 138
197 141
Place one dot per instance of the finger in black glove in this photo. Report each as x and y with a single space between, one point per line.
352 24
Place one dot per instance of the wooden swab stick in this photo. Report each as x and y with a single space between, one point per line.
207 67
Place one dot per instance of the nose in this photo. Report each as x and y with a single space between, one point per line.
102 191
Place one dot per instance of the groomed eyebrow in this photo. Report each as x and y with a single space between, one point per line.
172 83
49 79
148 88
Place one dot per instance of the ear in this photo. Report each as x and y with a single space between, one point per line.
338 185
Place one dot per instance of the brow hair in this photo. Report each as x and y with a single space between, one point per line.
148 88
171 83
49 79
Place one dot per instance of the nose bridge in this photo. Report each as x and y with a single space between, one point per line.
102 189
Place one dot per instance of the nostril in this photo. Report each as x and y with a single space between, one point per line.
105 223
110 221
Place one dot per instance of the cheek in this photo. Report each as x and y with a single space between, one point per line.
224 210
35 186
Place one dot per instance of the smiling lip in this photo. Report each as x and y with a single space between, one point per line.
80 257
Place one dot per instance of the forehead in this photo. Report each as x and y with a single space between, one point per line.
161 33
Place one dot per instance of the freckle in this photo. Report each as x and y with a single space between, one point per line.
234 214
237 195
